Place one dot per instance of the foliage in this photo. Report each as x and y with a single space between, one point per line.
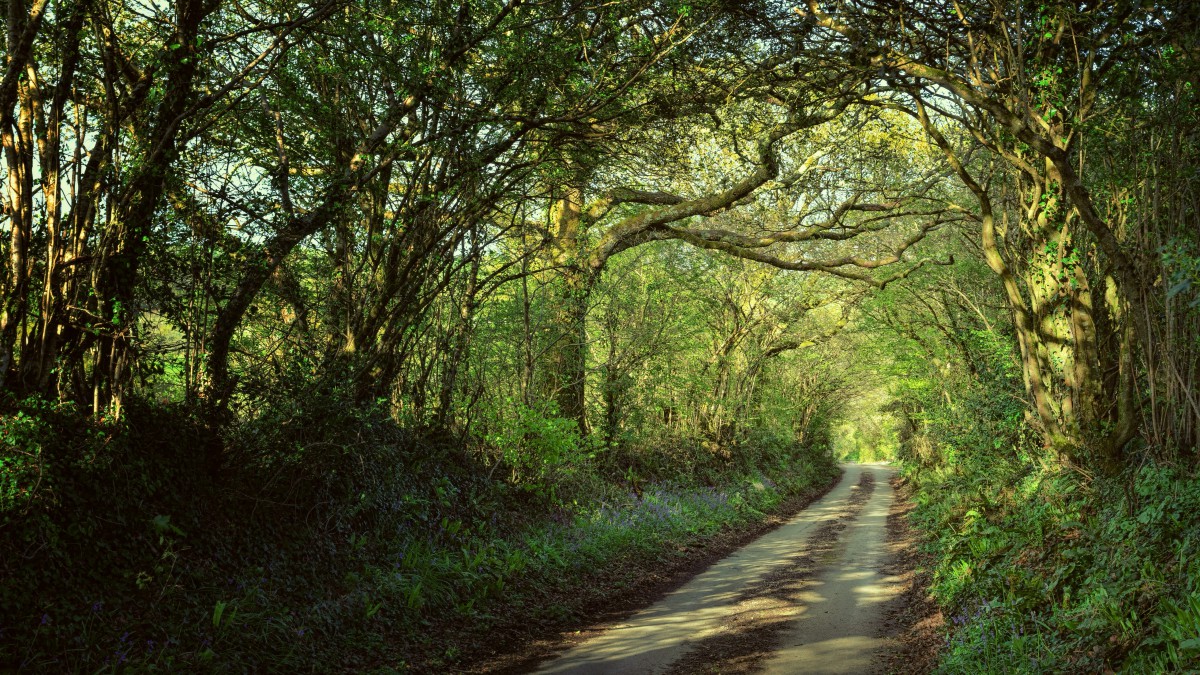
1039 565
538 450
347 540
1182 258
326 326
1043 570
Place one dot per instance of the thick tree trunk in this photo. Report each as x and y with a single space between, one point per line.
567 357
116 268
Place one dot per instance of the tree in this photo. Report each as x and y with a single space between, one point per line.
97 102
1029 86
810 201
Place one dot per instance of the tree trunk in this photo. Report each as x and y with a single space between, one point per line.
567 357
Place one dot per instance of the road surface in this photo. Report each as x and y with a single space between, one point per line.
804 598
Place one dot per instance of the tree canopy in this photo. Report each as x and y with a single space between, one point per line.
194 188
409 260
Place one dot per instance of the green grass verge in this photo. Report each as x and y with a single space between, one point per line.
386 552
1041 570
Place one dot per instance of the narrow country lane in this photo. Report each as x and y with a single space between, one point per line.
804 598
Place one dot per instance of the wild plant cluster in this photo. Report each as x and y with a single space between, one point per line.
340 537
1040 565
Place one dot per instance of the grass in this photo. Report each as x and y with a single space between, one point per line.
387 552
552 571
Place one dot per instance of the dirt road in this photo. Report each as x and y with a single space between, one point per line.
805 598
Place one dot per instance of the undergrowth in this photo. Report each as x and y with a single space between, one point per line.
1043 569
334 539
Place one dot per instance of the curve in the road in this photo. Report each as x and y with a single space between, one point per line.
806 597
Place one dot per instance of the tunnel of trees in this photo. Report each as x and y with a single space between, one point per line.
331 329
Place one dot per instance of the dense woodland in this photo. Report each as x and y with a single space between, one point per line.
358 332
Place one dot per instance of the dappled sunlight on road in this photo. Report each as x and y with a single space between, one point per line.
812 598
839 634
